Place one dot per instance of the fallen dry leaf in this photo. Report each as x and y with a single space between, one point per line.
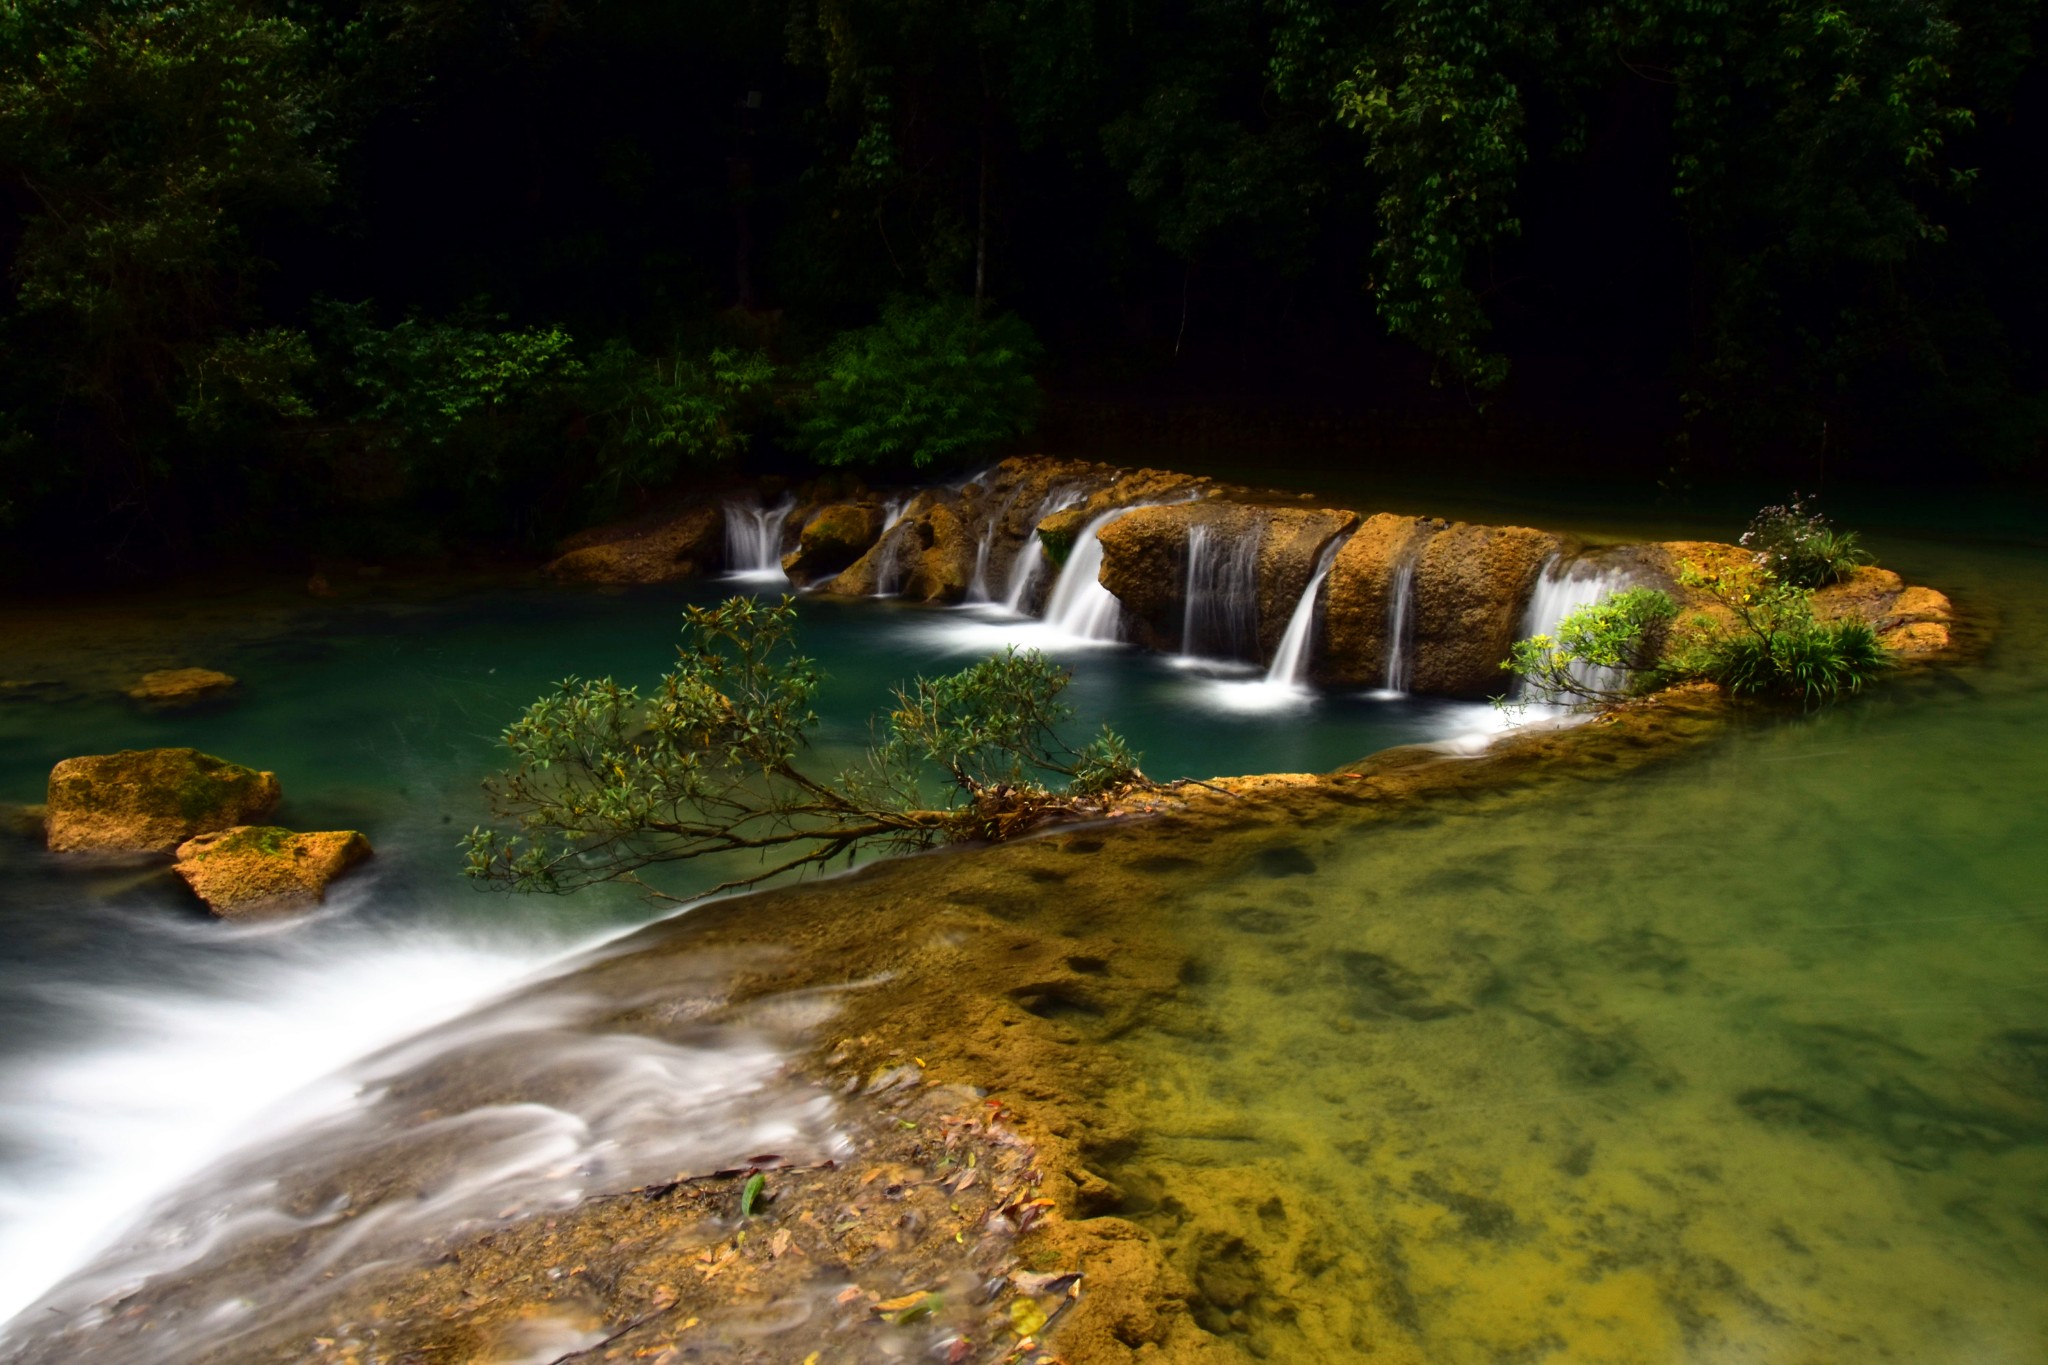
910 1300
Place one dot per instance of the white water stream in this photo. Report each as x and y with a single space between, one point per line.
1220 603
357 1099
753 539
1564 587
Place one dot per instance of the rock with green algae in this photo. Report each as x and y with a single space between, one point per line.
151 800
169 687
254 870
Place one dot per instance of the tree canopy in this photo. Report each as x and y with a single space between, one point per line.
263 254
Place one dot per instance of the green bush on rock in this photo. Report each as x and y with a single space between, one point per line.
607 782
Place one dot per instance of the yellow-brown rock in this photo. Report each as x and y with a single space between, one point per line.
253 870
151 800
833 537
170 687
658 548
1145 560
1357 604
1471 584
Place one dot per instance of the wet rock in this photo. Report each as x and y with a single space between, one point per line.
660 547
254 870
173 687
151 800
1145 560
1471 585
1358 602
833 537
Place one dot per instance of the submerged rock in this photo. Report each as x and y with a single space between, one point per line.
253 870
151 800
180 686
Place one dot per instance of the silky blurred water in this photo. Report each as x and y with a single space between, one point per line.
140 1040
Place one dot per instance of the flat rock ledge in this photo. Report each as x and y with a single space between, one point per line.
151 800
251 871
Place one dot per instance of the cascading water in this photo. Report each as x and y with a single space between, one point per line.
1400 671
889 547
1220 612
1080 607
1562 588
1291 658
753 538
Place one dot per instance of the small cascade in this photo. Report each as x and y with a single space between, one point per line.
889 546
1220 614
1080 607
1564 587
1025 566
753 538
1401 624
1290 660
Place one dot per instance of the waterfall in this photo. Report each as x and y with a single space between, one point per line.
753 538
1025 566
1401 624
1080 606
1220 613
1562 589
889 545
1290 661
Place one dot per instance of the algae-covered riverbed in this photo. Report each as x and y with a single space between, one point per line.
1740 1056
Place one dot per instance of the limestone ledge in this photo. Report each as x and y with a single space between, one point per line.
1006 534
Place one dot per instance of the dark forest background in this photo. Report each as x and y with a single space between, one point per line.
385 276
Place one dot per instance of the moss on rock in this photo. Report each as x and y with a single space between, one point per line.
151 800
262 869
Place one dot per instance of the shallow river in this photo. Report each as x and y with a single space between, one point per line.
1740 1058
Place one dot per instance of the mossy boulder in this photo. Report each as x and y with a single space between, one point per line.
253 870
832 538
151 800
171 687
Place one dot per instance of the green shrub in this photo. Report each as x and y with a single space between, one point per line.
925 385
1775 646
1602 652
1799 547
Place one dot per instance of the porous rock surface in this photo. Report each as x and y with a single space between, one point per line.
180 686
1357 603
1145 560
151 800
1470 586
253 870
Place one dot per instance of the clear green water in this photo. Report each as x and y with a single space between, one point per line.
1744 1058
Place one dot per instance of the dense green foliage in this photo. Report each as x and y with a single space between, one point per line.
1775 645
607 782
1784 235
925 385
